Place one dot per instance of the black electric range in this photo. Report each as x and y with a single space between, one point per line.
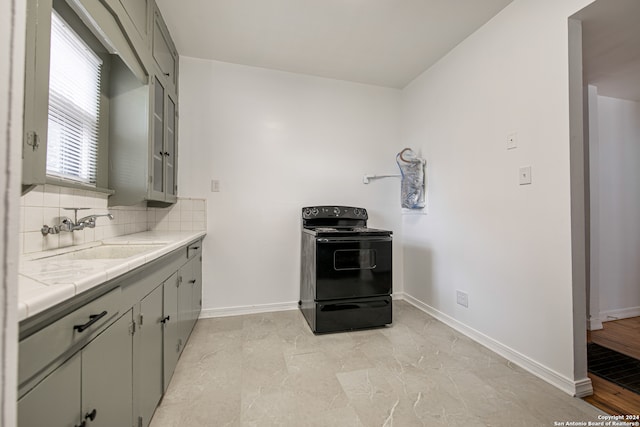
346 277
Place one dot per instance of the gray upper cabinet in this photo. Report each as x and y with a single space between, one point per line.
36 92
163 156
138 154
138 13
143 142
164 52
143 149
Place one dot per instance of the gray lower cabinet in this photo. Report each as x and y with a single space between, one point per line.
93 387
185 297
107 376
56 400
171 346
189 296
148 356
90 366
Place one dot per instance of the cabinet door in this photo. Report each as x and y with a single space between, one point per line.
149 369
185 302
36 92
55 401
163 51
197 287
171 347
171 150
157 144
137 10
107 383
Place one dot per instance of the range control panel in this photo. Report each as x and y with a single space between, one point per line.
345 212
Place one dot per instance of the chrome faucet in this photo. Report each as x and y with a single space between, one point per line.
67 224
90 220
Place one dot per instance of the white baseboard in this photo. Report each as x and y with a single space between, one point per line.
247 309
575 388
595 324
622 313
583 388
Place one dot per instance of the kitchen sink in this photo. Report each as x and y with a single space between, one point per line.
106 252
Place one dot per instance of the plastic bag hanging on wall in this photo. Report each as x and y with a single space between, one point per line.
412 187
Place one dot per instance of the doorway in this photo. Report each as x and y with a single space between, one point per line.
609 45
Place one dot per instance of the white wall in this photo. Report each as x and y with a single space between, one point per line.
508 246
12 27
615 207
279 141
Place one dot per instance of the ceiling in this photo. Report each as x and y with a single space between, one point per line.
379 42
611 47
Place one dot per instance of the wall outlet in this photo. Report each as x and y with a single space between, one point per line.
462 298
512 141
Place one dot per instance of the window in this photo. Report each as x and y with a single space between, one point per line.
74 106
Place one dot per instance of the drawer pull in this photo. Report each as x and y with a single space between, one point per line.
195 248
91 415
92 319
192 281
82 424
165 319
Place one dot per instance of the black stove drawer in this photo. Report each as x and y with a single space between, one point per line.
353 268
346 315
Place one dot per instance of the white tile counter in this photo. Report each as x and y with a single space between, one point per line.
45 281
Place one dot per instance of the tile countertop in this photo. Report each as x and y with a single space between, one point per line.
45 282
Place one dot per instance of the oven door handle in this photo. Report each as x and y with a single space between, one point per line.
354 240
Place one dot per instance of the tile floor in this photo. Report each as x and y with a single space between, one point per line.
269 369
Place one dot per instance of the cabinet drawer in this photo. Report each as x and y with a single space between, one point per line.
52 342
194 249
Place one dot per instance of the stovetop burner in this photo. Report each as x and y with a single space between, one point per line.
339 221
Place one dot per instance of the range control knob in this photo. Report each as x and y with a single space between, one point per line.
364 212
336 211
307 212
314 211
356 211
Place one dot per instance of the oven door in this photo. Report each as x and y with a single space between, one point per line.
353 267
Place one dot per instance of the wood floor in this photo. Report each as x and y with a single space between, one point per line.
622 336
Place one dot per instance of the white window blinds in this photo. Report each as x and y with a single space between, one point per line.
74 106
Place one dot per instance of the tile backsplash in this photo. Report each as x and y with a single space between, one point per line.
45 204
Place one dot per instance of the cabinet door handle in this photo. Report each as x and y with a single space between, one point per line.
92 319
82 424
195 248
192 281
166 153
165 319
91 415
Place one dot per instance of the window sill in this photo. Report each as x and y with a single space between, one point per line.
77 185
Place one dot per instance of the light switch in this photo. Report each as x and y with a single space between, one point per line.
215 186
512 141
525 175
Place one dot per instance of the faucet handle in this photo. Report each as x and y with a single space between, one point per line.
75 212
